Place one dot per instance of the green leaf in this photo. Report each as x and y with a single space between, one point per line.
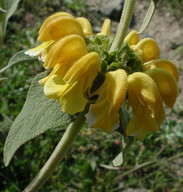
148 16
118 161
38 115
18 57
5 124
10 6
2 10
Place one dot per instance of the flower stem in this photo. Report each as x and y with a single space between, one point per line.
125 20
62 147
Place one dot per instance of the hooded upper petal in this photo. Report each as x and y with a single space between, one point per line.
86 26
132 38
59 27
88 64
52 17
147 49
144 88
166 84
65 50
106 28
104 113
162 64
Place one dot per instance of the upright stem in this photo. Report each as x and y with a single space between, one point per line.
124 24
58 154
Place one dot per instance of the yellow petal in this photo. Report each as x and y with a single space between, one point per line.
56 71
86 26
145 89
70 96
60 27
89 63
104 113
106 28
166 84
98 117
149 48
132 38
55 87
143 122
65 50
73 100
37 50
164 64
52 17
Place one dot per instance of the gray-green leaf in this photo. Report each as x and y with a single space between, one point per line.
5 124
18 57
10 6
118 161
148 16
2 10
38 115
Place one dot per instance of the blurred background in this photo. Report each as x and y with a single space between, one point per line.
152 165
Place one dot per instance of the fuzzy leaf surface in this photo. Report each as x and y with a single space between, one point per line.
37 115
148 16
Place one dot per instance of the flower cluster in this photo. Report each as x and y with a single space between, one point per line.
84 71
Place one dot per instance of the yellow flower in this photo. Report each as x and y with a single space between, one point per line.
65 50
86 26
77 81
40 51
147 48
147 91
132 38
163 64
78 63
104 113
106 28
146 103
166 84
59 26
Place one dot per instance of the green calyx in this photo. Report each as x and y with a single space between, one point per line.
123 58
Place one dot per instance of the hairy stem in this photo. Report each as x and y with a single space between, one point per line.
125 20
58 154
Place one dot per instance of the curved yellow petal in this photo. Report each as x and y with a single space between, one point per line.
73 100
40 48
145 89
54 87
149 48
143 122
166 84
70 96
57 70
67 49
89 63
104 113
106 28
60 27
86 26
132 38
164 64
52 17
